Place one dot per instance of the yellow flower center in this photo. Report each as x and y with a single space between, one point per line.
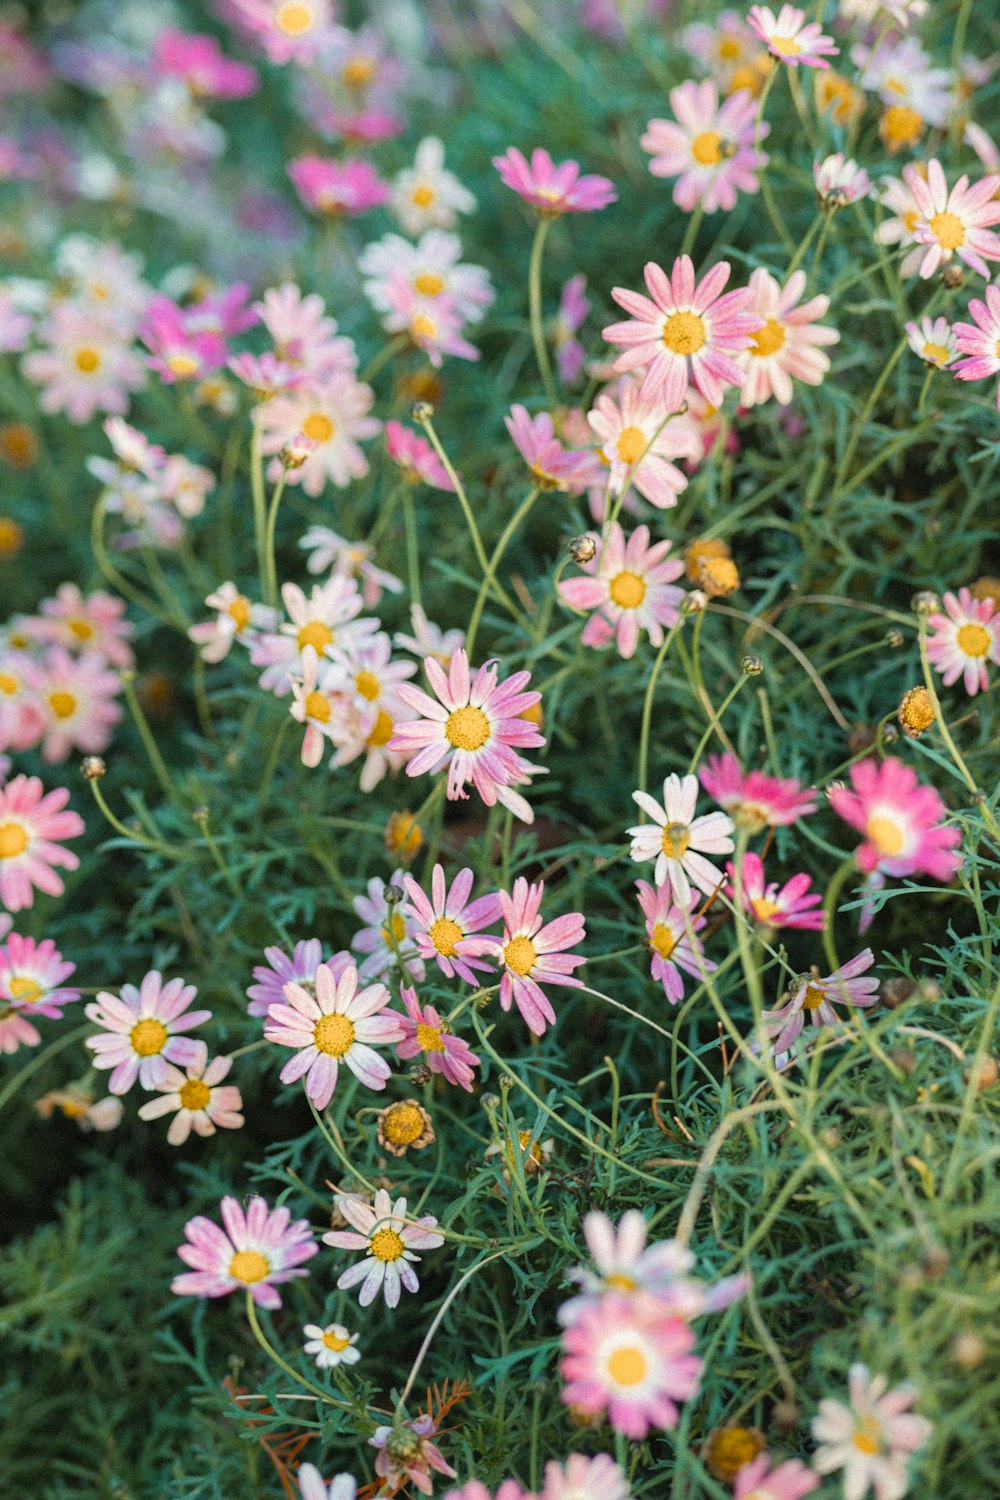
445 935
248 1266
628 1366
315 634
239 612
63 705
318 427
974 640
765 911
402 1123
948 230
332 1342
317 707
13 840
358 71
82 629
386 1245
886 835
182 365
398 931
936 354
867 1436
813 997
728 49
675 840
423 327
705 148
294 19
900 126
429 1038
334 1035
627 590
621 1283
382 733
87 360
785 46
195 1095
631 444
467 728
428 284
519 954
422 195
367 684
767 340
663 940
8 684
910 218
683 333
24 989
148 1037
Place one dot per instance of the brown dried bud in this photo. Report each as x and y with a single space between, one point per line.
987 1074
904 1060
860 737
582 549
786 1415
403 838
935 1261
702 550
895 991
968 1350
952 275
728 1449
93 767
718 576
404 1126
915 712
986 588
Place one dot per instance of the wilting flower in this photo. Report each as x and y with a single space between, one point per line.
388 1239
629 586
533 955
791 906
552 466
788 37
900 819
426 1035
712 151
670 931
407 1455
552 189
964 639
839 181
872 1439
818 996
331 1346
199 1098
143 1031
259 1250
753 799
389 939
32 826
336 1025
678 841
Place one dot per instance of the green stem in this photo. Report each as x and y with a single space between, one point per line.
844 466
491 570
804 244
941 723
259 506
270 562
693 225
39 1061
535 309
148 738
715 721
647 705
130 833
282 1364
412 548
833 891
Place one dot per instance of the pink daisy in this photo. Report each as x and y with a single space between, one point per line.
199 1099
629 586
670 932
872 1439
753 799
552 466
573 309
199 62
287 29
790 1480
791 906
980 339
32 974
900 819
31 823
259 1250
533 955
444 924
415 456
679 841
312 1485
281 970
818 996
76 696
683 332
389 935
786 36
964 639
335 1025
473 725
711 151
552 189
582 1478
142 1031
788 343
332 416
474 1489
15 1031
344 188
388 1239
935 341
639 445
95 622
86 367
427 1035
314 705
21 717
238 618
955 222
627 1357
839 181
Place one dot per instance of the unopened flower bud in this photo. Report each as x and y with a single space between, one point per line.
986 1074
915 712
895 638
968 1350
786 1416
583 549
890 734
421 411
729 1449
93 767
935 1261
752 666
295 452
930 991
694 602
925 602
896 991
833 786
952 275
393 894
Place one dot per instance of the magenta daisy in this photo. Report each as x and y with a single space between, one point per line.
900 819
533 955
630 587
281 970
445 924
552 189
341 188
415 456
32 825
472 726
964 639
789 342
670 930
818 996
336 1025
32 974
198 1099
955 223
142 1031
552 466
791 906
259 1250
753 799
980 339
762 1479
427 1036
873 1439
626 1357
684 333
389 1239
788 37
639 445
711 151
679 841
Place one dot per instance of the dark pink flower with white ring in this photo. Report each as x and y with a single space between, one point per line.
900 819
533 955
428 1037
32 826
793 905
552 189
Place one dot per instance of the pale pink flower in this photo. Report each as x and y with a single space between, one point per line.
629 1358
753 799
199 1100
712 151
758 1480
389 1240
331 1346
787 36
954 222
473 725
304 337
980 339
16 1031
429 639
670 931
900 73
281 970
336 1025
421 1456
428 1037
964 639
76 696
839 181
532 955
415 456
389 936
77 1103
21 716
582 1478
314 704
573 309
935 341
684 332
259 1250
474 1489
430 269
333 416
32 974
266 374
791 906
313 1487
983 145
288 30
640 442
446 924
900 819
86 366
818 996
15 326
95 622
551 189
552 466
143 1031
873 1439
237 618
327 616
901 226
629 586
427 195
433 326
679 841
32 827
787 343
721 46
341 188
330 552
